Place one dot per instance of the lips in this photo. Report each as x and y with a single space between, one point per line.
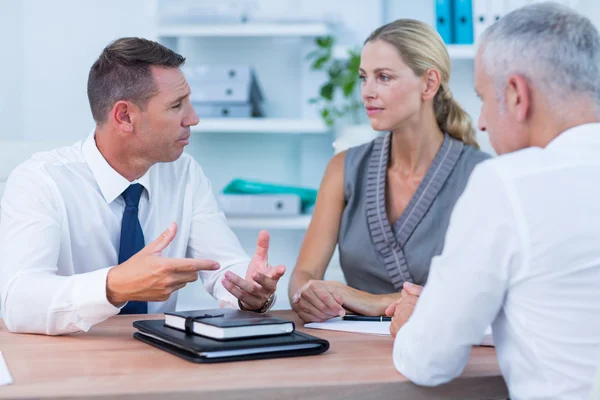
373 110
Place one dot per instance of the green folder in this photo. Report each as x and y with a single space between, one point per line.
242 186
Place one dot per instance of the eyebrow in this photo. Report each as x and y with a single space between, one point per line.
180 98
377 70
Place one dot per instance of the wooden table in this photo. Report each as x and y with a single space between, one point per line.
107 362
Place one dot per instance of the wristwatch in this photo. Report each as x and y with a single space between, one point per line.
265 307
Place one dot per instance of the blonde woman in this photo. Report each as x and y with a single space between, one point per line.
387 204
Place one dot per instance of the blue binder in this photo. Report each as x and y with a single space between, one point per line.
443 19
463 21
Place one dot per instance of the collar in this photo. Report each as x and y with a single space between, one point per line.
579 134
110 182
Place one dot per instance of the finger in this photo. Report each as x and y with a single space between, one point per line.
310 296
312 310
308 317
333 301
413 289
160 243
191 264
394 328
252 288
389 311
183 278
277 272
262 246
267 283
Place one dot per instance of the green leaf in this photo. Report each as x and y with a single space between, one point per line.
348 88
325 42
319 62
313 100
327 91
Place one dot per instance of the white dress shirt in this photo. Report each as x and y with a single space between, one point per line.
522 252
60 232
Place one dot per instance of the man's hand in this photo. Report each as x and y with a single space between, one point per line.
402 309
318 301
147 276
261 278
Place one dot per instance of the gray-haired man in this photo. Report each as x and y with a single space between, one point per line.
523 247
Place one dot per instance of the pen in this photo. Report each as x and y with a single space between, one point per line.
365 318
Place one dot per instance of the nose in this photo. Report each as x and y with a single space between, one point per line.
191 119
367 91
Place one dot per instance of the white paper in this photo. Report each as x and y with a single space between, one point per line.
374 328
366 327
5 378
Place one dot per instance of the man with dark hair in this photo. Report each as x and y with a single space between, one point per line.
76 221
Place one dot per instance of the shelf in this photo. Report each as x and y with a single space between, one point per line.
261 125
462 51
293 223
248 29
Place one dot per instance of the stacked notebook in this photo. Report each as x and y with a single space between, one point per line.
209 336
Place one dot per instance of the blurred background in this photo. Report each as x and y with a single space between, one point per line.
274 82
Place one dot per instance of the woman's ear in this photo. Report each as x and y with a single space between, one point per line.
431 82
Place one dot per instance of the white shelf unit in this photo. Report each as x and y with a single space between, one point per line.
462 51
293 223
456 51
261 125
244 29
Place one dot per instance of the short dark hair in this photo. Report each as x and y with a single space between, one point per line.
122 72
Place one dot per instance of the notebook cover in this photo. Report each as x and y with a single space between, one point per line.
230 319
195 343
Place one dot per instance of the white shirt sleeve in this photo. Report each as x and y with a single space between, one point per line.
34 298
211 238
466 284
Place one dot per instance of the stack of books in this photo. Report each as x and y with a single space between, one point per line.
224 91
210 336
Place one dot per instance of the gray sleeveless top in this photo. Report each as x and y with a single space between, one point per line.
376 256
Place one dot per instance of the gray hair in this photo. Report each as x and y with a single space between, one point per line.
556 49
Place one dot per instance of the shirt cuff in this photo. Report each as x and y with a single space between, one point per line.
89 298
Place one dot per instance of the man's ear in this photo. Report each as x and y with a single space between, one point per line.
431 85
518 97
124 114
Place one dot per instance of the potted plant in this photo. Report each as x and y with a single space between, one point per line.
339 102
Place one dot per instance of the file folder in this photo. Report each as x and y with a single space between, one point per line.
443 20
462 21
199 349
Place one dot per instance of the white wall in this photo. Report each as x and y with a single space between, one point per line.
11 70
61 40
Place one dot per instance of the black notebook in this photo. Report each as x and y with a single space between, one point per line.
202 349
226 324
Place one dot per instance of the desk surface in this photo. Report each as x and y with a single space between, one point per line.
107 361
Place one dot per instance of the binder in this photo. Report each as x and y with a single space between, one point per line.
481 17
217 73
498 9
271 205
199 349
443 20
224 110
462 22
307 196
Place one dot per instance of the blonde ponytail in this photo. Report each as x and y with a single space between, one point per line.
422 48
451 117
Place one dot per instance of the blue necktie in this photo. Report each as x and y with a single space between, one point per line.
132 239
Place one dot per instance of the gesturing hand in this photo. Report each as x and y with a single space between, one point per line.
261 278
147 276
